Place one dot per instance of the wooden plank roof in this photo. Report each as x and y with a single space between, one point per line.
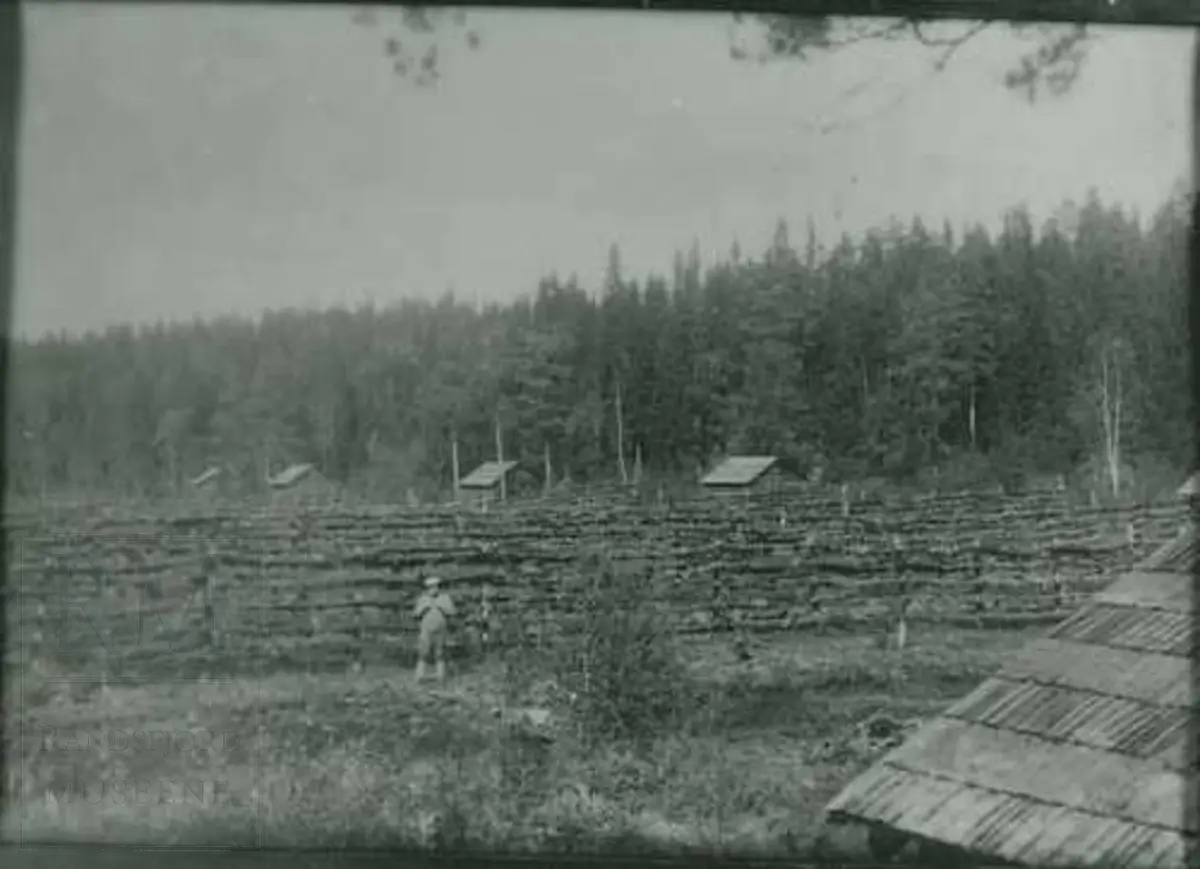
1178 556
1079 751
738 471
207 477
1190 487
290 476
486 475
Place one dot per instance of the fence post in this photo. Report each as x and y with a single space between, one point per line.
210 602
101 590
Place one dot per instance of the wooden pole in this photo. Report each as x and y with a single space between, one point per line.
454 462
210 606
101 577
500 454
971 420
902 623
621 439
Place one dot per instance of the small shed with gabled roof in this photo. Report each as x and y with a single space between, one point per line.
1190 488
745 476
483 484
290 476
206 480
215 480
301 482
1080 751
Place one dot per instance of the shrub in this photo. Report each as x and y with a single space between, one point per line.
618 656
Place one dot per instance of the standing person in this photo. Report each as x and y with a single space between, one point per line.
434 608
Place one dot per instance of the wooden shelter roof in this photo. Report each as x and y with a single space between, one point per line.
290 476
738 471
486 475
207 477
1079 751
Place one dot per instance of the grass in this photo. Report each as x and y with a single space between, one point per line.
743 765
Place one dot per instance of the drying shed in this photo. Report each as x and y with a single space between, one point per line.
289 477
483 483
207 480
213 482
300 483
1077 752
745 476
738 472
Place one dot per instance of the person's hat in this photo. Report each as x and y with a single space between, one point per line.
433 581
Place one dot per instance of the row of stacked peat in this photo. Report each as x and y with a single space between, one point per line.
231 592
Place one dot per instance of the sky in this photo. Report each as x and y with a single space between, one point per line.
183 159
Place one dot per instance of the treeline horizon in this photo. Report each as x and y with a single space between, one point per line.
1029 351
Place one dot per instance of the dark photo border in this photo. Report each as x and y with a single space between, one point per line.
1181 13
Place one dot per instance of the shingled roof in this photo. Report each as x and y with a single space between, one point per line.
486 475
207 477
290 476
1078 752
738 471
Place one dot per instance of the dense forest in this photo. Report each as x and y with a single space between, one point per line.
1060 349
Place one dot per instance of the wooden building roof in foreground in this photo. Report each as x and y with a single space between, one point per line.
1190 487
486 475
738 471
1080 751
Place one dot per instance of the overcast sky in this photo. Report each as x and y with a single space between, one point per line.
180 159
